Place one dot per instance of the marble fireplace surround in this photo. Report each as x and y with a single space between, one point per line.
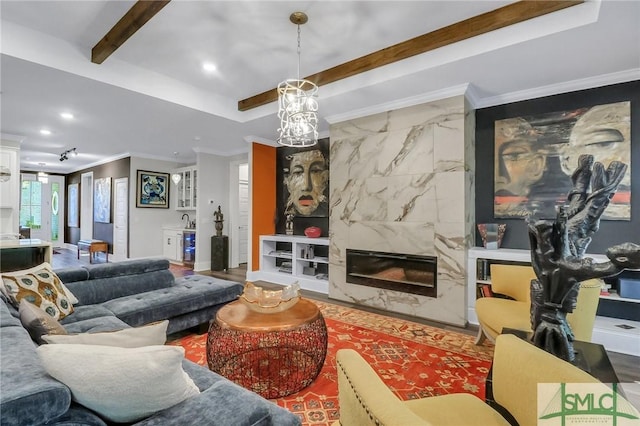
402 182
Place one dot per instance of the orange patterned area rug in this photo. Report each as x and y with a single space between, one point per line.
414 360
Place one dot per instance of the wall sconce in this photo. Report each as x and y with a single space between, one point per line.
65 154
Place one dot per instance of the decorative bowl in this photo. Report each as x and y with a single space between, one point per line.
270 301
313 232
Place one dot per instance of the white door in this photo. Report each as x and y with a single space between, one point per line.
86 209
243 221
121 219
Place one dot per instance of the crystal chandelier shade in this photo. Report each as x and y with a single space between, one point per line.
298 104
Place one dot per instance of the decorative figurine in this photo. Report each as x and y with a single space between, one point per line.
219 218
557 250
289 224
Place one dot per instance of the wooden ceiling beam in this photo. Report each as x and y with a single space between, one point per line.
511 14
139 14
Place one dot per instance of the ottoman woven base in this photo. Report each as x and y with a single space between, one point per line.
273 355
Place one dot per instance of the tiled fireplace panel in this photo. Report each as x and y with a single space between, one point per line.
401 182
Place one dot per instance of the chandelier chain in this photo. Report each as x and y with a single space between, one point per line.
299 51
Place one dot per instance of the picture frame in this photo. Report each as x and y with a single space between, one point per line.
73 215
152 190
102 200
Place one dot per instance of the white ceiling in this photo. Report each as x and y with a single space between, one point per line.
151 97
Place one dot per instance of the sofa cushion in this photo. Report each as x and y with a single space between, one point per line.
69 275
8 316
40 286
85 312
120 384
95 325
37 322
185 297
223 404
78 416
205 379
29 395
99 290
151 334
127 267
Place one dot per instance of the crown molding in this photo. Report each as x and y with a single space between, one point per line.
564 87
258 139
201 150
449 92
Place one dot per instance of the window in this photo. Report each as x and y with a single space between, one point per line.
31 204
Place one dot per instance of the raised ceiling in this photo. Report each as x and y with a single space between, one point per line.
151 97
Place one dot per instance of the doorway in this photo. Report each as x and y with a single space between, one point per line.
121 219
42 207
239 209
86 206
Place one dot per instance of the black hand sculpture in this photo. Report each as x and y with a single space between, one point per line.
557 250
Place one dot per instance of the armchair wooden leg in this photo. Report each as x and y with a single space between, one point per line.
481 337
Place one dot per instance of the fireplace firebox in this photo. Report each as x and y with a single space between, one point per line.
392 271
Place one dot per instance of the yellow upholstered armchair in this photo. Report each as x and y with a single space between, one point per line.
518 367
495 313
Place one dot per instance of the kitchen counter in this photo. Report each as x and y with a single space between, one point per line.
179 228
24 253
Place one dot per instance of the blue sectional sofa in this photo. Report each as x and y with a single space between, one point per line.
113 297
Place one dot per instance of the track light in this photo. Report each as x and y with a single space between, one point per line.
65 155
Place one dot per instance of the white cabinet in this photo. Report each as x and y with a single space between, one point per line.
9 187
172 245
186 189
617 335
286 259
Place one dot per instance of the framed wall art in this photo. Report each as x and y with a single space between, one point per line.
152 189
73 202
102 200
536 155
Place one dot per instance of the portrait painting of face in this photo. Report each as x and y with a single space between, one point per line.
604 131
536 155
306 179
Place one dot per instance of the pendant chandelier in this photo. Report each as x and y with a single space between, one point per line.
176 177
297 104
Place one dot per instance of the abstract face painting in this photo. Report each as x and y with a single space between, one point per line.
536 155
306 181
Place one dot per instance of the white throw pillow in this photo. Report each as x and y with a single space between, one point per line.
151 334
121 384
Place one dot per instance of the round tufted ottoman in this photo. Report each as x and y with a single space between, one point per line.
271 354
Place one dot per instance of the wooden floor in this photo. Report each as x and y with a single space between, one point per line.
627 366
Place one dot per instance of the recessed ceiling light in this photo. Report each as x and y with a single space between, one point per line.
209 67
45 132
66 115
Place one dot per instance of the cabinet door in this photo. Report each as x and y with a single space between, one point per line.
168 245
194 190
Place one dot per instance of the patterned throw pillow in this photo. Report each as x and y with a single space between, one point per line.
39 286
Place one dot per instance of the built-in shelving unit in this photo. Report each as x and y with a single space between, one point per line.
615 334
286 259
